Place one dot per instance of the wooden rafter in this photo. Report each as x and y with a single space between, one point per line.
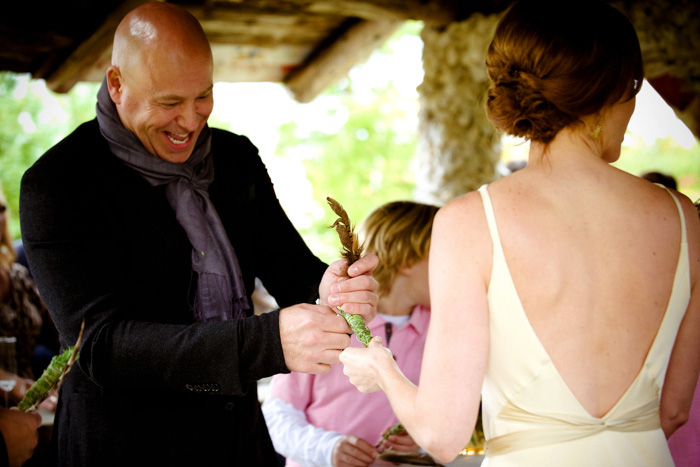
331 63
92 50
430 11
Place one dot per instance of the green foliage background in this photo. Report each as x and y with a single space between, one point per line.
667 156
28 127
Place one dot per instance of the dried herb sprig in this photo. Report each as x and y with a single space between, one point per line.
351 251
52 377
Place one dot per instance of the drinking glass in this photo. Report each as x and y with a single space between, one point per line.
8 363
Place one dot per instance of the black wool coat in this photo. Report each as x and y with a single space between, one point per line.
154 387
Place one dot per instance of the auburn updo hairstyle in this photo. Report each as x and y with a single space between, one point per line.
553 62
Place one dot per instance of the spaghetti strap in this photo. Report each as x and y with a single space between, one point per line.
680 213
490 215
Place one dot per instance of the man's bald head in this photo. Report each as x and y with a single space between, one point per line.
161 78
154 27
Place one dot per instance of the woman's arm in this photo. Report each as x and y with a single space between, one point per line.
441 412
684 366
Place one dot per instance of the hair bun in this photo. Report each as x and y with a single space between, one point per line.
517 106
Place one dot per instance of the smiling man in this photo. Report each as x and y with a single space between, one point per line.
152 228
166 104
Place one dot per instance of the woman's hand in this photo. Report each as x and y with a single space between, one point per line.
351 451
364 366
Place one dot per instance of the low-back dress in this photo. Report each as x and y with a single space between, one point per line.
531 417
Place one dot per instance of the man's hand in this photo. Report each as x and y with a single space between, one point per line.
312 337
351 451
357 294
21 434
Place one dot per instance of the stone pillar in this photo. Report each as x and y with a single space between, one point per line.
458 148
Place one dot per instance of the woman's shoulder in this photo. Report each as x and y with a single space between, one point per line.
461 233
464 205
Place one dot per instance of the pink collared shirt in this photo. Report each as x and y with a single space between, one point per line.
685 442
332 405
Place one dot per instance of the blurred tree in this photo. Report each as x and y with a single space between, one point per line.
667 156
32 119
363 163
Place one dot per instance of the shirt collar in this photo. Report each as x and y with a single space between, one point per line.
420 317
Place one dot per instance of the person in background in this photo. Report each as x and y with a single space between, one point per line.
23 314
19 317
322 420
19 436
151 227
669 181
565 296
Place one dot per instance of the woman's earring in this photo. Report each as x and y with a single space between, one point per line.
596 131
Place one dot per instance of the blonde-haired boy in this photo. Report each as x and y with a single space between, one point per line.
321 420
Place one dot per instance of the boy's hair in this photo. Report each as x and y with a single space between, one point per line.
399 234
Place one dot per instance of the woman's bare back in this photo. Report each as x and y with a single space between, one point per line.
593 265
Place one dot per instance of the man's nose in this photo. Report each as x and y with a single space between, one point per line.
187 118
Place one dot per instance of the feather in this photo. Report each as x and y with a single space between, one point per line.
351 251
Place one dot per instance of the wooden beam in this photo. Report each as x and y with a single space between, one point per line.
229 27
331 63
90 51
429 11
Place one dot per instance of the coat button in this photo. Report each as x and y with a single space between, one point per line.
229 406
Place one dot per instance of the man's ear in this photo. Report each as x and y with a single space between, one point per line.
114 83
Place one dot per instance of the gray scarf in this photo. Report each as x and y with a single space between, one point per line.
220 290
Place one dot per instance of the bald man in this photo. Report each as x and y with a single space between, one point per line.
152 227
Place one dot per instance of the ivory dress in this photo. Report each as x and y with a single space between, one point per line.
531 417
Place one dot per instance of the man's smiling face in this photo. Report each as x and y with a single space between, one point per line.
166 102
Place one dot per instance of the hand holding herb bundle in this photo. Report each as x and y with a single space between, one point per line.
351 251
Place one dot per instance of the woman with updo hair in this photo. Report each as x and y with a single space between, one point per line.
566 295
